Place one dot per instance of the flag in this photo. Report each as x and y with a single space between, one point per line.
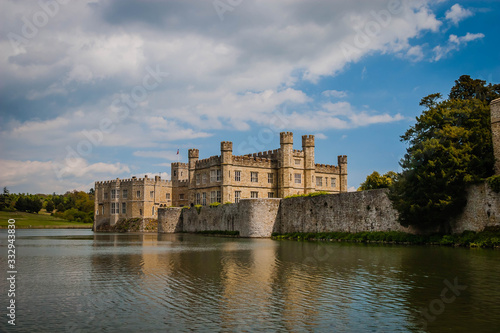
177 151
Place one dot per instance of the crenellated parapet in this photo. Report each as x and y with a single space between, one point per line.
250 161
182 183
298 153
286 138
179 164
326 168
307 140
270 154
208 162
133 181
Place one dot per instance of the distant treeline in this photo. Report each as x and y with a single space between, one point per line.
73 206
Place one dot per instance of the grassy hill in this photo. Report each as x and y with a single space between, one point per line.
39 221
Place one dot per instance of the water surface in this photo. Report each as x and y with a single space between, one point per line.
78 281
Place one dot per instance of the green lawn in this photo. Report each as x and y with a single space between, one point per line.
38 221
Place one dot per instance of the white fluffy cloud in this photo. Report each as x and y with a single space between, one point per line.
454 44
457 13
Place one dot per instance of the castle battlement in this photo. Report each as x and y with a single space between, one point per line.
326 168
133 181
270 154
179 164
208 162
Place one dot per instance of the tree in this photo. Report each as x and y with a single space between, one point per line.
450 147
5 199
50 206
375 180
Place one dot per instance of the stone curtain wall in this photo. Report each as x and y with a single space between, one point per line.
345 212
251 217
495 131
482 210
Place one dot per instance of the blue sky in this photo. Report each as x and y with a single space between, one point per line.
95 90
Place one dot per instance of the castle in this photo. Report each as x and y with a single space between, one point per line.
225 178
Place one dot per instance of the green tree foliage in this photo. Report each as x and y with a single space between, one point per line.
449 147
49 207
28 203
6 200
375 180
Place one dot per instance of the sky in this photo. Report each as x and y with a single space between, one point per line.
95 90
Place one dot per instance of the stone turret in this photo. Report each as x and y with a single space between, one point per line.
226 148
309 166
285 160
342 164
193 156
495 131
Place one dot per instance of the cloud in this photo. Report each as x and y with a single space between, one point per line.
168 155
454 43
340 115
41 177
320 136
334 93
457 13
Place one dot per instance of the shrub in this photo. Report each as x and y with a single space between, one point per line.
494 183
215 204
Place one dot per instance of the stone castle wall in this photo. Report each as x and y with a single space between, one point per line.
495 130
345 212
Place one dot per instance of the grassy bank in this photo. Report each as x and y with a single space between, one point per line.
486 239
39 221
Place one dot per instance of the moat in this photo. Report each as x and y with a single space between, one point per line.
79 281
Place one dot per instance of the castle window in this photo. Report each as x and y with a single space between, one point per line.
270 194
181 196
297 162
198 198
254 177
218 175
270 178
254 195
114 208
151 194
333 182
319 181
138 194
175 173
237 176
219 198
204 178
298 178
125 194
212 197
124 208
197 179
204 199
167 196
140 212
181 173
115 194
105 195
237 196
153 211
102 210
213 176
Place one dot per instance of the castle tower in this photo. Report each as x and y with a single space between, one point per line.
342 164
193 155
495 132
309 167
226 149
285 164
179 171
